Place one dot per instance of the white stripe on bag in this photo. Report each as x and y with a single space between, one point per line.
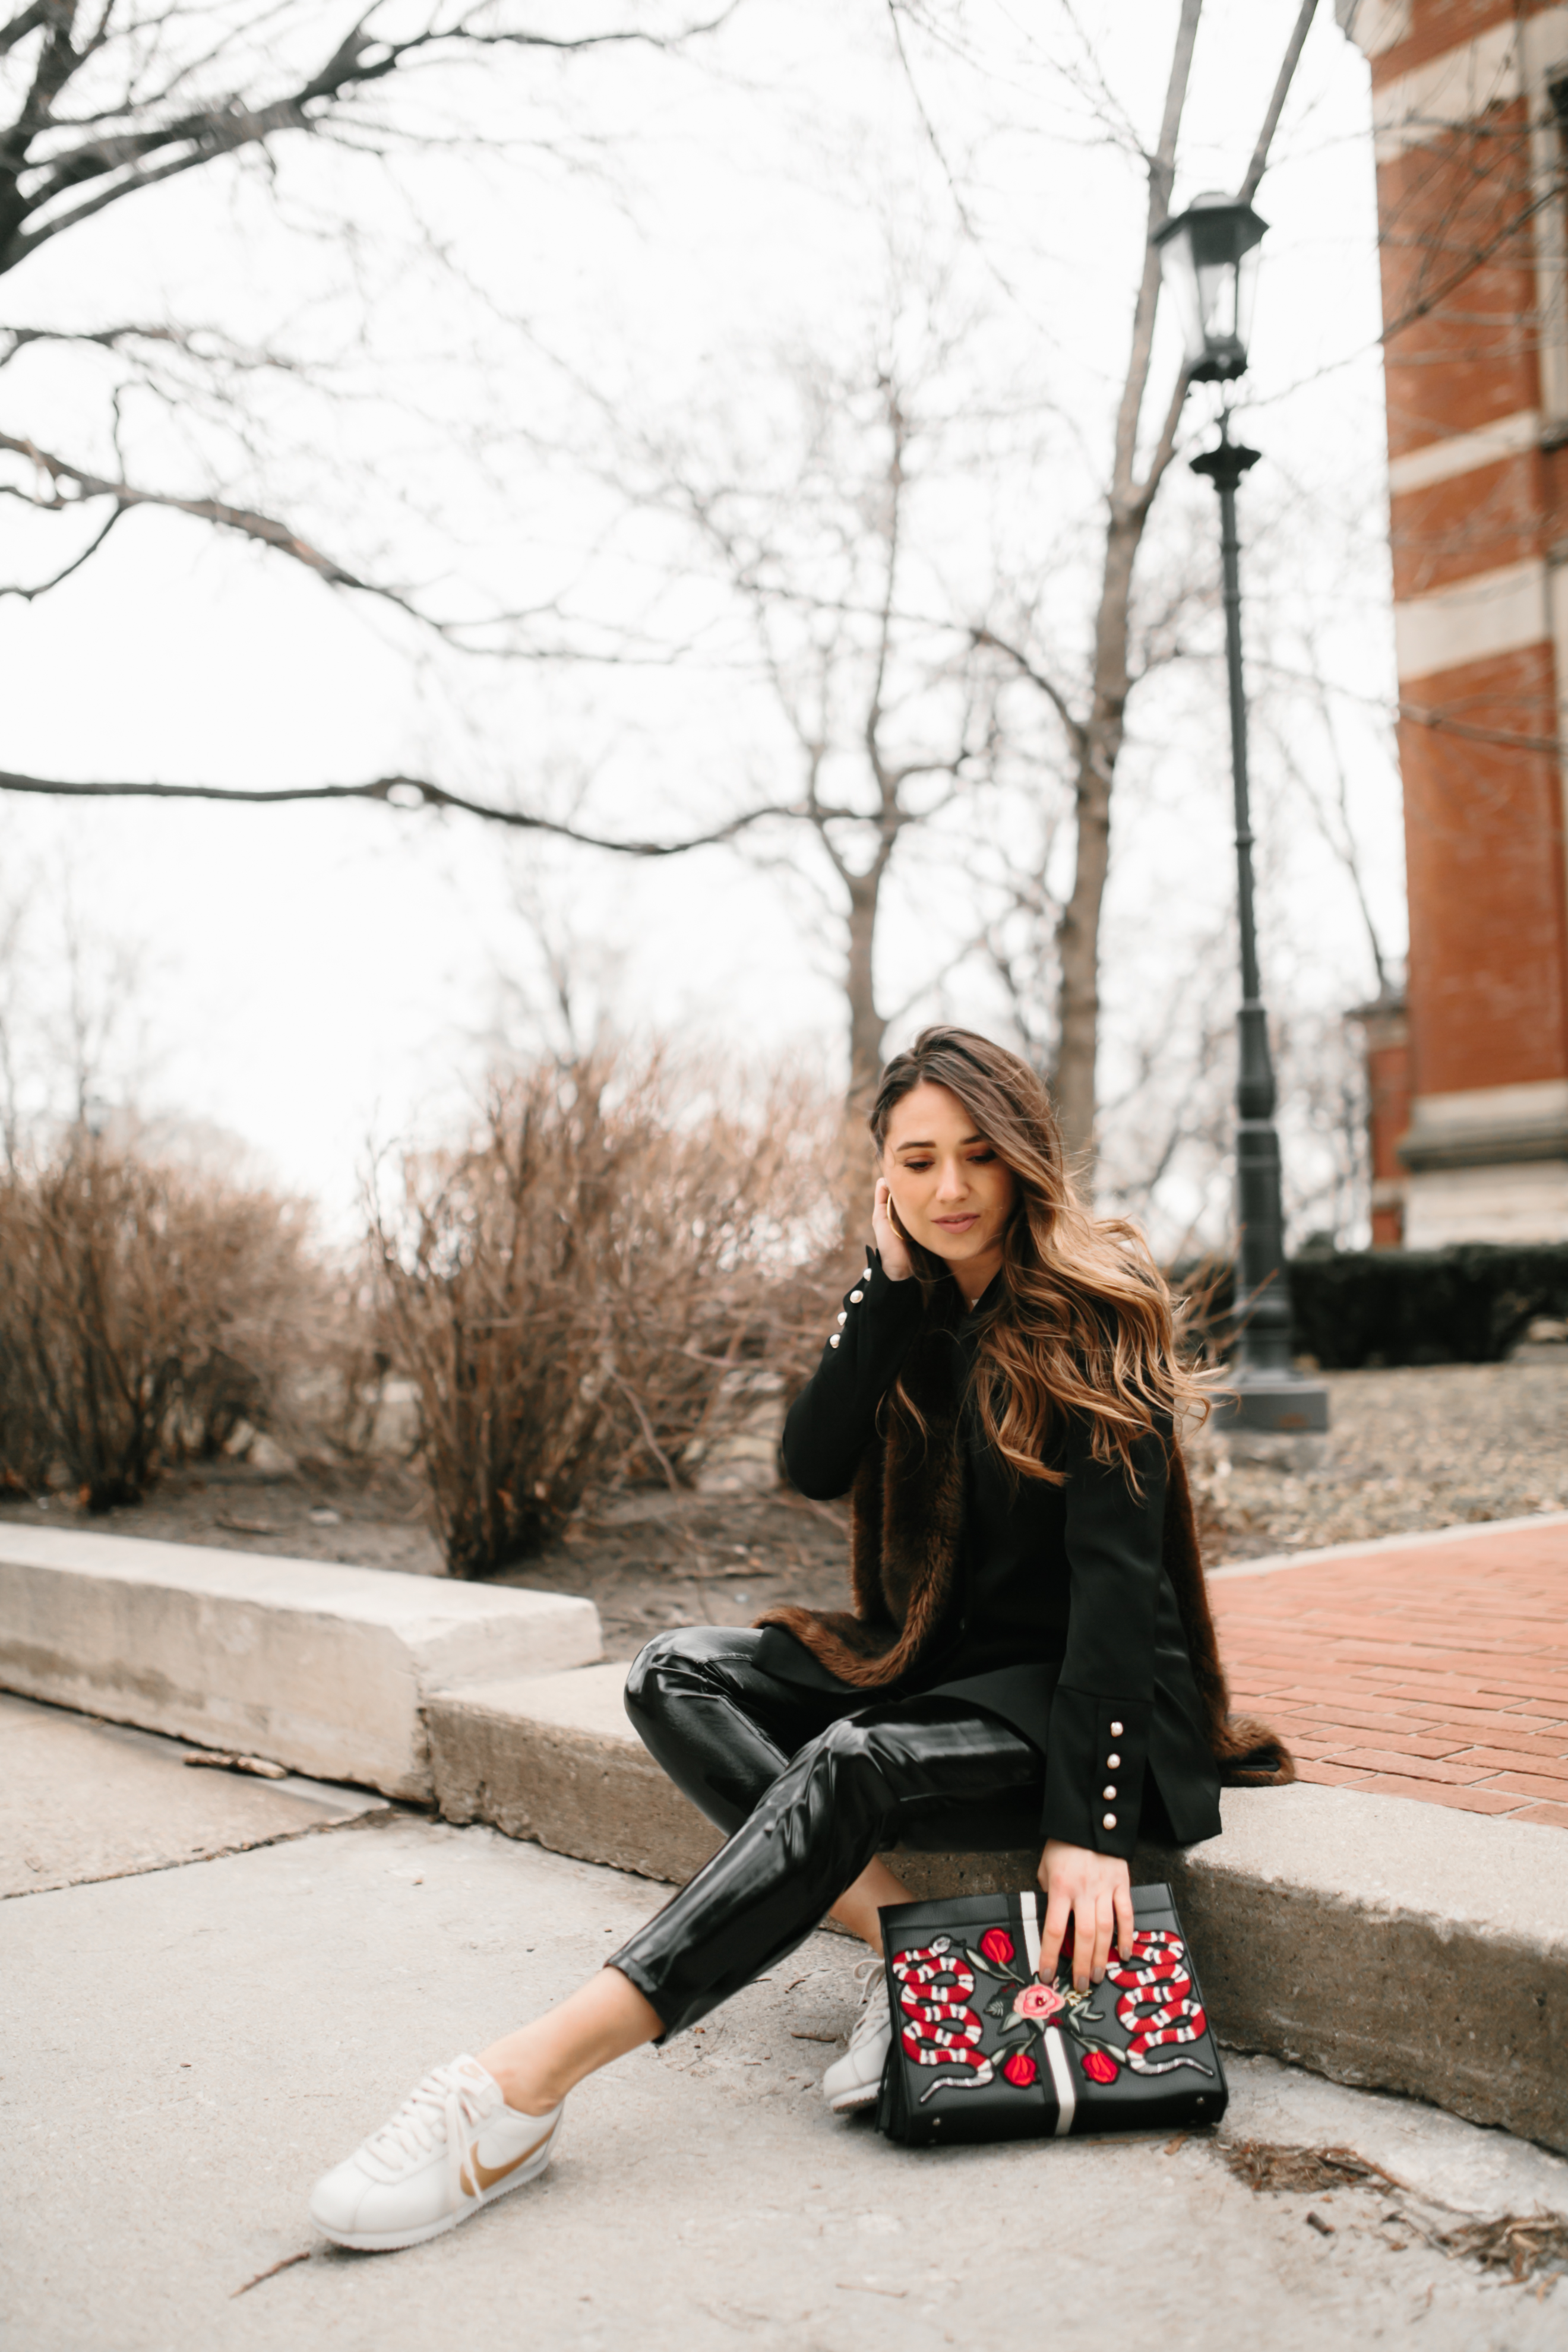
1030 1905
1061 2076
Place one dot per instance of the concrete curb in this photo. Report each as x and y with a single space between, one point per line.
1392 1945
1466 1531
553 1759
320 1667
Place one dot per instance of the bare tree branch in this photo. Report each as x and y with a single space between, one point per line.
223 126
1444 722
410 791
1161 177
1275 106
88 487
1474 258
83 487
1076 732
1165 446
188 340
20 26
42 587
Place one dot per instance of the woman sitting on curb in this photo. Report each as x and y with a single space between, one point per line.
1030 1656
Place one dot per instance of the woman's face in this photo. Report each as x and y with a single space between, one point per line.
953 1195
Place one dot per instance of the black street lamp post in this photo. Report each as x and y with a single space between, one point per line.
1210 254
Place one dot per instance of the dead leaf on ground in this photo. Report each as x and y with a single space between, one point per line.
1519 2243
1524 2245
258 1766
1267 2165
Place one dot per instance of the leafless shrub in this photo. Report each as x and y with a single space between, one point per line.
574 1291
148 1311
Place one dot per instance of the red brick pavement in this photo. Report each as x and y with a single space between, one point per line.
1439 1672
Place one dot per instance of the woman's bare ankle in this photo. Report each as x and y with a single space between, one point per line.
538 2064
859 1907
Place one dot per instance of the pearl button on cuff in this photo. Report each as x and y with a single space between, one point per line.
1107 1821
1109 1790
855 1297
1113 1763
843 1318
1116 1731
833 1339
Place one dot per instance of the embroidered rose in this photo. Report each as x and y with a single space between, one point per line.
1037 2001
997 1946
1020 2070
1100 2066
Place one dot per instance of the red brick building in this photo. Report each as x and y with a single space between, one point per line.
1470 116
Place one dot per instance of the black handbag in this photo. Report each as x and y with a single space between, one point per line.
982 2050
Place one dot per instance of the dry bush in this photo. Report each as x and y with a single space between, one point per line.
575 1291
148 1311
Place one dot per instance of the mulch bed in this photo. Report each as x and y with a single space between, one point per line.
1410 1450
1431 1446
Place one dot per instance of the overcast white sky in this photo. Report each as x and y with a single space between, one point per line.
316 975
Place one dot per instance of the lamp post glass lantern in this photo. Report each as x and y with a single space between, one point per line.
1209 258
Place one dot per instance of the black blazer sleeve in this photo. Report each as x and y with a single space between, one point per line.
833 1419
1105 1698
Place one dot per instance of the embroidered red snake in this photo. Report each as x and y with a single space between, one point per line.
940 2028
1156 2007
1157 2004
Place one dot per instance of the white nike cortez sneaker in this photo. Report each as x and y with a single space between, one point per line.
853 2081
453 2145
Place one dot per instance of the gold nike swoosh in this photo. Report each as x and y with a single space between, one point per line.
485 2176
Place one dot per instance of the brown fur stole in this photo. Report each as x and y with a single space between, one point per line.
905 1544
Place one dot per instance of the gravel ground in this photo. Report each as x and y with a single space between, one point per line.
1429 1448
1422 1447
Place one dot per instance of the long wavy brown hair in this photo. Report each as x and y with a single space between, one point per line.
1084 1329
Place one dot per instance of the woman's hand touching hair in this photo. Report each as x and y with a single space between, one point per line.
891 1246
1095 1892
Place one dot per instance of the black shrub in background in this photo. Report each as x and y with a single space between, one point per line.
1354 1309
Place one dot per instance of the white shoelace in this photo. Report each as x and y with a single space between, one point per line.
873 2017
430 2116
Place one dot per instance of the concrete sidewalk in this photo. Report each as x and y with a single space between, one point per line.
80 1800
1424 1953
186 2048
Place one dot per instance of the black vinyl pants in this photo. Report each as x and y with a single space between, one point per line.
811 1785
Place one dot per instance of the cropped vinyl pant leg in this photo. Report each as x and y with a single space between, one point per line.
722 1729
809 1834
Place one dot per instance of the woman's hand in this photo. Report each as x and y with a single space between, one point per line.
891 1246
1095 1892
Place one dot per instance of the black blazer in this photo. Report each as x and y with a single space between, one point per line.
1061 1617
